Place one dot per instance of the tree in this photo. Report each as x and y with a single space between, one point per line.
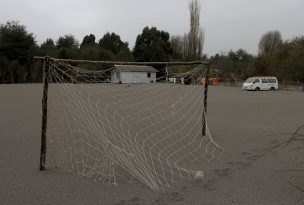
17 47
48 44
270 43
68 53
15 42
152 45
48 48
290 60
176 45
196 34
68 47
237 63
88 40
180 47
104 54
124 54
112 42
5 73
265 65
190 45
67 41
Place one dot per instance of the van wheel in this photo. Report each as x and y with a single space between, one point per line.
257 89
272 88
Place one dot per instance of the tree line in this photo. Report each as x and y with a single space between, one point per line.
18 46
276 57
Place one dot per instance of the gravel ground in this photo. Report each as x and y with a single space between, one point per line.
246 124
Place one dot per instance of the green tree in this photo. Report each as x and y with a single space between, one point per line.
265 65
112 42
67 41
15 42
152 45
104 54
17 47
124 54
48 48
88 40
4 71
68 47
68 53
95 53
290 60
237 63
48 44
282 59
89 53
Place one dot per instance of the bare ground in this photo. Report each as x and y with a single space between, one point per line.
246 124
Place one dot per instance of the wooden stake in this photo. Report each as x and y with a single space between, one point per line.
205 101
44 113
167 74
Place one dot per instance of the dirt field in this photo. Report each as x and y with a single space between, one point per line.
245 124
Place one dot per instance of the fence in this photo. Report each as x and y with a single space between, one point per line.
291 85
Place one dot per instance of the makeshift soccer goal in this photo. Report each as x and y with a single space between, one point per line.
126 121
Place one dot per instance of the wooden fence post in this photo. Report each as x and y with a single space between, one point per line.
167 74
205 101
298 84
44 113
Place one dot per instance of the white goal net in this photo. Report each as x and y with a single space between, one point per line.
140 133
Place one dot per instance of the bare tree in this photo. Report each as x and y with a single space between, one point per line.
190 45
270 43
186 46
201 39
196 34
177 46
180 46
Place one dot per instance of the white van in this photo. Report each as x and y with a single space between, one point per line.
261 83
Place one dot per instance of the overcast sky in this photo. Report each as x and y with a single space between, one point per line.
228 24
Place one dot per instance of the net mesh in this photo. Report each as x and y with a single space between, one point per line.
146 134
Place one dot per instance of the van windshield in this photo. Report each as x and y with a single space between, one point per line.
250 80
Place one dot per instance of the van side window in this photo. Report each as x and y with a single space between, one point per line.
272 81
256 81
264 80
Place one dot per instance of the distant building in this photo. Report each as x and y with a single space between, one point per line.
133 74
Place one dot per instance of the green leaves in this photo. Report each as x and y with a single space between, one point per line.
67 41
284 59
152 45
15 41
16 49
112 42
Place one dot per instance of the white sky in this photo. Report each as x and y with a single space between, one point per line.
228 24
